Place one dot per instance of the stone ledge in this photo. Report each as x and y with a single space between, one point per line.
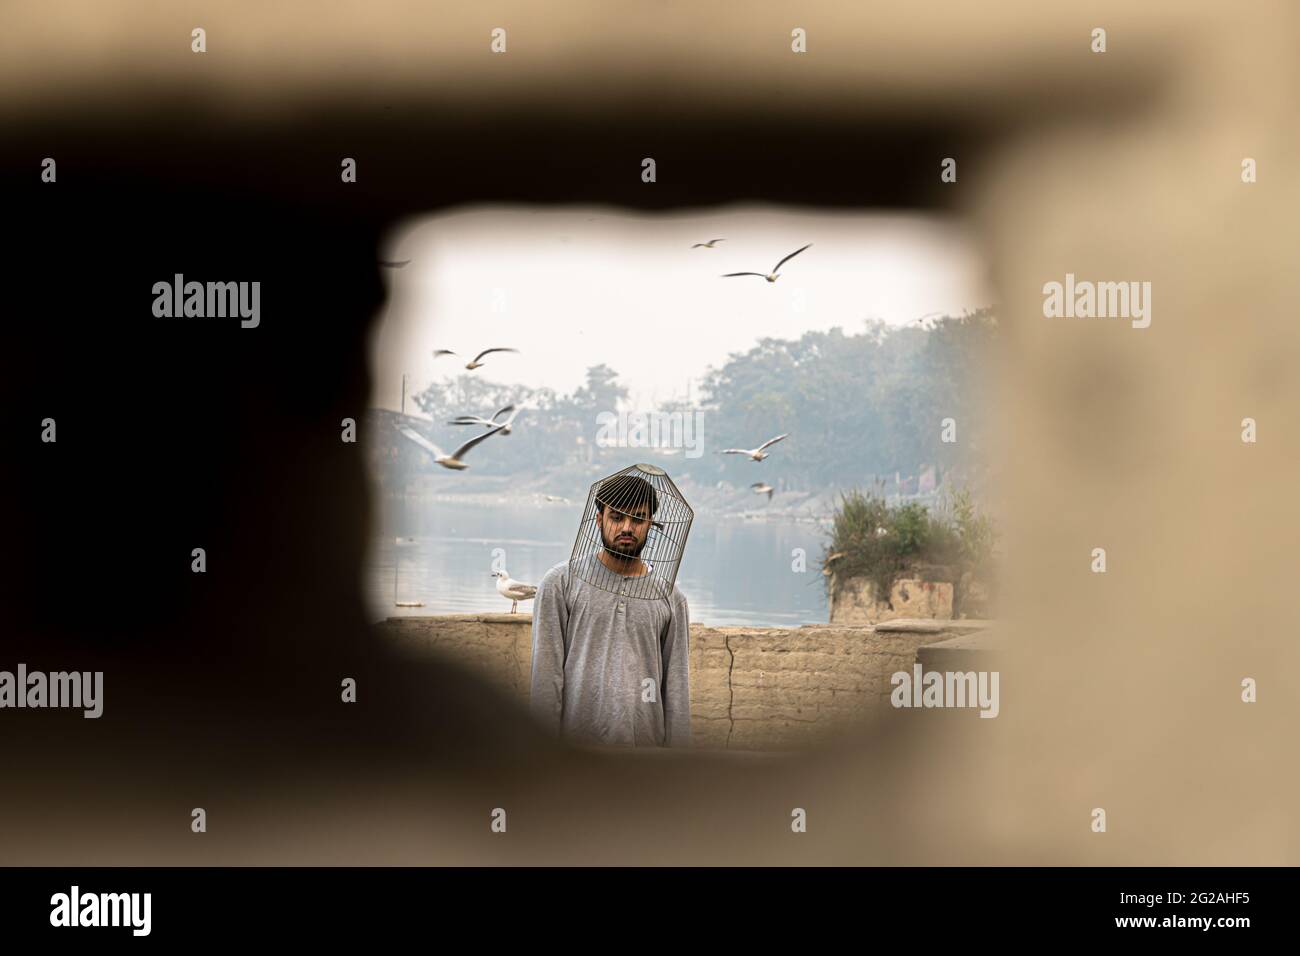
899 625
859 625
971 651
931 625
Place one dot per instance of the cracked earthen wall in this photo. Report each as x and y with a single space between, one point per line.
752 688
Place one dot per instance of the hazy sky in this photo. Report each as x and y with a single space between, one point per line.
578 286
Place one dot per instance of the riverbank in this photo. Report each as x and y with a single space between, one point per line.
568 487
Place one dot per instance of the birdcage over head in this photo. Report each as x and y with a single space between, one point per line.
633 534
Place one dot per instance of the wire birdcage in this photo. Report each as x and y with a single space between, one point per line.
641 502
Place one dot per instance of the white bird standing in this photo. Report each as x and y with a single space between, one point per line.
707 245
516 591
452 461
488 422
757 454
474 362
769 276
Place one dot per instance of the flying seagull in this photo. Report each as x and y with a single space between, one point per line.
757 454
488 422
516 591
762 487
770 276
707 245
474 363
451 461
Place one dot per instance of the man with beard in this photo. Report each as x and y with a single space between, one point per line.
610 638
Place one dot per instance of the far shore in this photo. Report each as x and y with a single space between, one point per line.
537 499
571 483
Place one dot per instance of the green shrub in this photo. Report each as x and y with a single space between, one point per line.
871 539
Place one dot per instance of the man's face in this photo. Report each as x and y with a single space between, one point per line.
624 532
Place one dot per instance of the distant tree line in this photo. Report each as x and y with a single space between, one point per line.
855 407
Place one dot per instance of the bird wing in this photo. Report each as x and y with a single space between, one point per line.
728 275
717 240
521 588
502 411
394 265
469 420
420 440
489 351
443 352
474 441
788 258
734 451
772 441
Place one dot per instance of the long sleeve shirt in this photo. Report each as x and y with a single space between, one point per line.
607 667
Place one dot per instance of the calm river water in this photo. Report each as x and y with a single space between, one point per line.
736 571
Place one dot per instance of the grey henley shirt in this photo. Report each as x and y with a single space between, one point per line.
593 651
